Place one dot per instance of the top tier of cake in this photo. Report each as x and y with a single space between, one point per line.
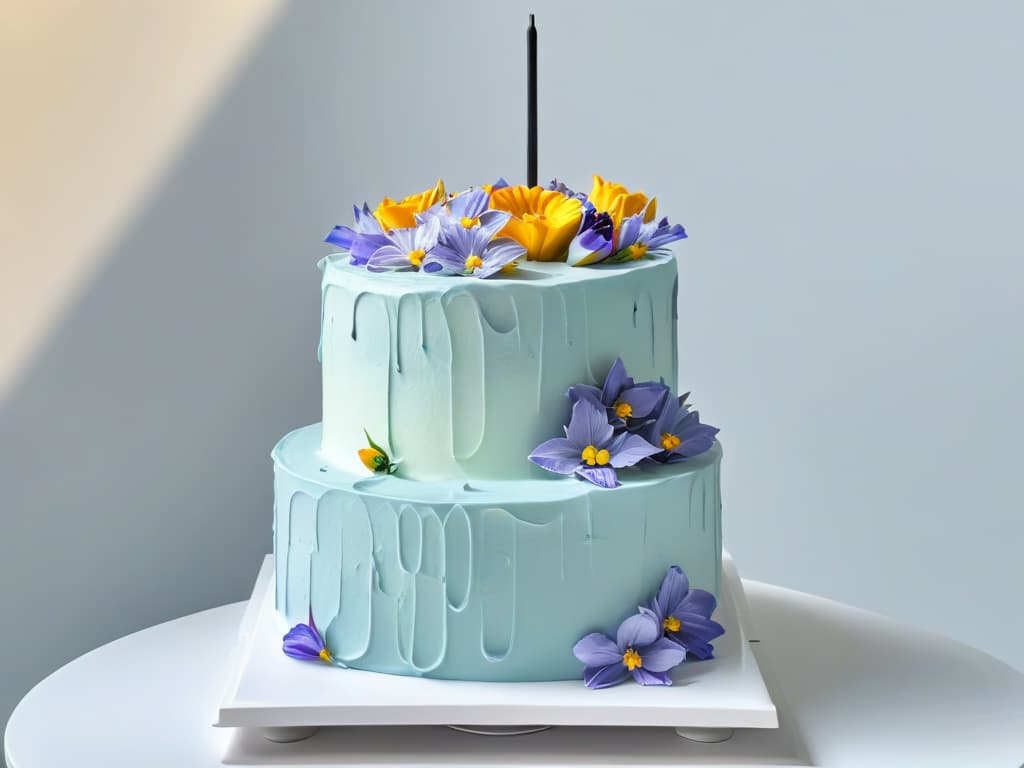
461 378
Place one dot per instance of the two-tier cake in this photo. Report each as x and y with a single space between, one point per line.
504 465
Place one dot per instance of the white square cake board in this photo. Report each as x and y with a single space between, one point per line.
272 691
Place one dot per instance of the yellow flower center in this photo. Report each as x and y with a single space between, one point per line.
326 656
473 262
416 257
510 267
669 441
671 624
632 659
637 251
469 223
622 410
591 455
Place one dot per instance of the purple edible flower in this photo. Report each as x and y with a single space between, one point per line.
593 241
638 238
685 614
406 248
470 250
305 643
627 402
362 241
559 186
590 448
679 432
639 649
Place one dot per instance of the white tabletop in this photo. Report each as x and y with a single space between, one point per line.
852 688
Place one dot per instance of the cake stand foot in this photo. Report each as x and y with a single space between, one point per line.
706 735
288 735
500 730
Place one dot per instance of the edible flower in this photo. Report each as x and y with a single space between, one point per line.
684 614
469 209
639 649
619 203
363 240
591 449
593 243
376 459
402 214
472 251
678 432
304 642
627 403
543 221
406 248
639 238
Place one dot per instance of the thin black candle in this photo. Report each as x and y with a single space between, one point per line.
531 104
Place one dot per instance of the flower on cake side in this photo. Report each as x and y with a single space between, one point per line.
675 627
421 232
621 424
305 643
376 459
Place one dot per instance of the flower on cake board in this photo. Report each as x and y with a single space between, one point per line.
472 249
639 649
591 449
376 459
543 221
685 614
626 401
679 432
305 643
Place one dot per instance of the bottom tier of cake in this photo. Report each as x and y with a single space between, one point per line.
489 581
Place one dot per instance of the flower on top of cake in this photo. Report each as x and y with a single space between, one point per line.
487 231
622 424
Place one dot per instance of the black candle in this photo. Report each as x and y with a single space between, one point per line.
531 104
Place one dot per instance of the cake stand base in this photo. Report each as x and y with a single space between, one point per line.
289 735
706 735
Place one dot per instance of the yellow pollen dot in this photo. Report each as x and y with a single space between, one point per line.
416 257
671 624
468 223
669 441
473 262
510 267
591 455
326 656
632 659
622 410
637 251
603 457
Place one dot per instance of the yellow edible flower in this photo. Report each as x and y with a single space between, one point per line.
544 221
400 215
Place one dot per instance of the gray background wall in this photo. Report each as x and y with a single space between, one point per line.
851 176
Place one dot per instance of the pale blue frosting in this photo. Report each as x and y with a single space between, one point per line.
461 378
481 579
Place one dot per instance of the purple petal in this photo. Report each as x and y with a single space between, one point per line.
444 259
674 588
388 257
469 204
603 677
491 221
364 247
341 236
701 652
500 252
662 655
577 391
303 642
665 235
638 631
616 380
629 230
556 455
604 477
700 602
629 449
589 425
696 630
646 677
645 398
597 650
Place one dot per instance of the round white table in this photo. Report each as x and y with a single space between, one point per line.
852 689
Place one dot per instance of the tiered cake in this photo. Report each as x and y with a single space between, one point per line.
442 550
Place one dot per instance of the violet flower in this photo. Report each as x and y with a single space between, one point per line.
679 432
594 240
559 186
639 649
362 241
471 251
637 238
406 248
685 614
305 643
590 448
628 403
467 208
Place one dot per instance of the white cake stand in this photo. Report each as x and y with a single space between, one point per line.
289 700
